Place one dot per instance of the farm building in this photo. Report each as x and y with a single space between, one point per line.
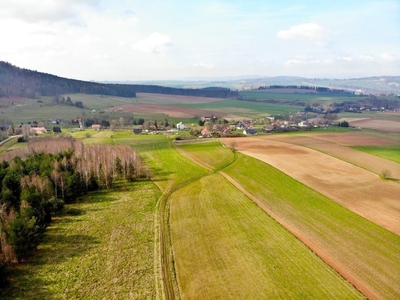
206 132
304 124
180 126
250 131
96 126
37 130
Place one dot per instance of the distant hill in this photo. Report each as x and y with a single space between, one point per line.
18 82
367 85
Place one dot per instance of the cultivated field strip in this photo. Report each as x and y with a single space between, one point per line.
364 253
353 156
225 247
353 187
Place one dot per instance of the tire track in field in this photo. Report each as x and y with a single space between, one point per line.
169 283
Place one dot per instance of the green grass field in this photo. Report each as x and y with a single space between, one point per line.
322 98
101 248
388 152
247 108
211 153
225 247
367 249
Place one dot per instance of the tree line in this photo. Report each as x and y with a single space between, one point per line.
37 181
319 89
212 92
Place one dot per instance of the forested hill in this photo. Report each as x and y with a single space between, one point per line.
18 82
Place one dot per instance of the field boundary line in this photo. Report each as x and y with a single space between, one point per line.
339 268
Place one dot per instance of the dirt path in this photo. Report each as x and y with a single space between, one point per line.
355 188
342 269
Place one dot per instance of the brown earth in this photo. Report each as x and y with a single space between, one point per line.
325 144
355 188
172 111
355 139
376 124
181 98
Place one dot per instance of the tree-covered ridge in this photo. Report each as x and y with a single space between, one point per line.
18 82
37 181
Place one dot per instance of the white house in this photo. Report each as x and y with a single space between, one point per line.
180 126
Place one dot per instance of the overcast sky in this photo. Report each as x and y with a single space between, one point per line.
177 39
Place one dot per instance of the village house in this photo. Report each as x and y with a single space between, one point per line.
206 132
250 131
180 126
304 124
96 126
37 130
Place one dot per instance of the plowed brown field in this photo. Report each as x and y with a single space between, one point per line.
353 187
172 111
376 124
325 143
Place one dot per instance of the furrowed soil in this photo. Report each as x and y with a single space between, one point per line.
329 144
376 124
172 111
355 188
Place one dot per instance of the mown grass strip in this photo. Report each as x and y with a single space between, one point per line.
359 246
101 248
226 247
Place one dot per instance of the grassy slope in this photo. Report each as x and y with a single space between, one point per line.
210 153
247 108
102 248
388 152
323 98
366 249
227 248
170 171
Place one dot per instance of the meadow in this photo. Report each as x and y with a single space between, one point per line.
99 248
321 98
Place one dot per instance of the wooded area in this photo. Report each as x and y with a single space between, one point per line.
38 180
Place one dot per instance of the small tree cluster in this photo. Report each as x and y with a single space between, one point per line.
343 124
